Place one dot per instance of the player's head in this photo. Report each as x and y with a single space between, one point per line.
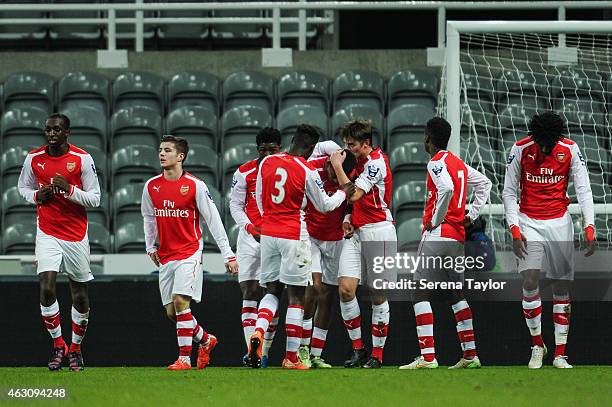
304 140
546 129
57 129
437 134
172 151
357 136
349 164
268 141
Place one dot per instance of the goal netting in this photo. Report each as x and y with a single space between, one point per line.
506 78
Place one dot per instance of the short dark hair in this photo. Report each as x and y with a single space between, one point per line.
62 117
180 144
439 131
357 129
350 162
547 128
306 135
268 135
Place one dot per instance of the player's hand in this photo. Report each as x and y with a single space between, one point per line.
589 237
59 181
348 230
44 194
519 242
155 258
253 231
428 227
337 158
348 188
467 221
231 266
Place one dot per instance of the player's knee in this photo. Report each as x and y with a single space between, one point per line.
47 294
346 293
530 282
80 300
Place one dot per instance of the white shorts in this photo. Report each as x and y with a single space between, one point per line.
181 277
355 260
326 259
52 253
434 250
248 256
550 246
285 260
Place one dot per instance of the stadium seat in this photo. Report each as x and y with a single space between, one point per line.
203 163
232 233
135 125
194 88
513 124
23 127
210 245
405 124
102 213
291 30
29 90
600 187
579 84
15 209
480 94
88 126
126 204
236 31
409 200
139 88
101 162
19 238
290 118
99 238
22 31
182 31
233 158
78 89
10 165
197 124
413 87
359 87
409 233
240 125
74 31
128 31
134 164
129 237
303 88
531 90
352 112
480 154
408 163
248 88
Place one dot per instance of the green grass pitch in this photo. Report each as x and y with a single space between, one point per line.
489 386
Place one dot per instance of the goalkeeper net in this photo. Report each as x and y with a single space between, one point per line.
505 78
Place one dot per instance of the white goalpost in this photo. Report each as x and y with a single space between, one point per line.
497 74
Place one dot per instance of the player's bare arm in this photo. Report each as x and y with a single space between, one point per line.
337 158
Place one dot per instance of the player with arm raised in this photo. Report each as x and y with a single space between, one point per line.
285 183
60 179
541 166
243 207
444 221
371 222
175 205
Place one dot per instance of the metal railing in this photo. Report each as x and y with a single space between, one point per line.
275 20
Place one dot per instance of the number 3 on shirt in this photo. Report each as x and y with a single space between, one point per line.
279 185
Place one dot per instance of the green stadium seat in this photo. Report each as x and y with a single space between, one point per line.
203 163
291 30
134 164
182 31
413 87
528 89
209 243
135 125
74 31
19 238
408 163
233 158
101 214
480 154
248 88
364 112
29 90
78 89
126 204
578 84
359 87
409 200
233 32
409 233
101 163
405 124
194 88
11 163
197 124
127 31
15 209
240 125
290 118
22 31
232 233
129 237
23 127
600 187
139 88
99 238
303 88
88 126
513 121
480 95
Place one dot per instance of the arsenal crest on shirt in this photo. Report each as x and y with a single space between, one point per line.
70 166
184 189
560 156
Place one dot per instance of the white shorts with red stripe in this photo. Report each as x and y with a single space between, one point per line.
326 259
183 277
285 260
550 246
53 254
248 256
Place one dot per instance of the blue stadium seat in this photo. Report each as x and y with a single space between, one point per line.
240 125
78 89
248 88
290 118
413 87
29 90
406 123
197 124
135 125
203 163
359 87
303 88
134 164
364 112
88 126
23 127
139 88
194 88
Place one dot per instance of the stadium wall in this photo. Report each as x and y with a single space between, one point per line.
128 327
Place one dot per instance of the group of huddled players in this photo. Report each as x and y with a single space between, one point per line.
305 217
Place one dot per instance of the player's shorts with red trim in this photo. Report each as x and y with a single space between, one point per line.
285 260
326 259
550 246
183 277
433 254
248 256
53 254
